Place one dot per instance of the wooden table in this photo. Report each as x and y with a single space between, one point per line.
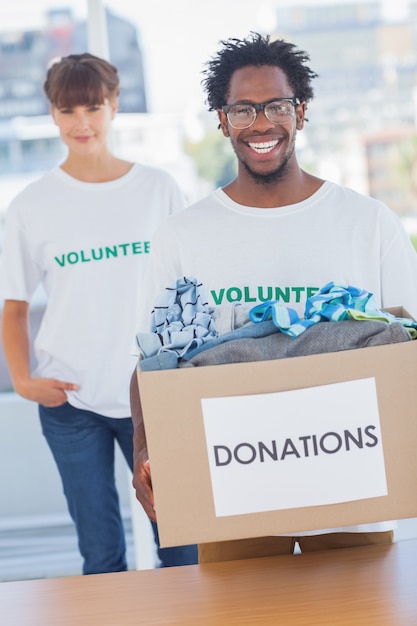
374 585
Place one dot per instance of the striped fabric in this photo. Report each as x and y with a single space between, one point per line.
333 303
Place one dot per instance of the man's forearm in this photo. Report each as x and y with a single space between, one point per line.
139 437
142 481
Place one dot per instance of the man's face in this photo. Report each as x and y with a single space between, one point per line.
265 149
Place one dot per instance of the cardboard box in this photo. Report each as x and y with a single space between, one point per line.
182 463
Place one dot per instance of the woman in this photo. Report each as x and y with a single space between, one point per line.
84 230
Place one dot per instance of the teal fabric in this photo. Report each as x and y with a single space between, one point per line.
333 303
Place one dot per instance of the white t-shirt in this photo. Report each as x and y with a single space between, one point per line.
249 255
88 244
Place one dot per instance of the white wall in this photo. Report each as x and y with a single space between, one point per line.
30 483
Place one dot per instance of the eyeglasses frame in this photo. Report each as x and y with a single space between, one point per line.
258 107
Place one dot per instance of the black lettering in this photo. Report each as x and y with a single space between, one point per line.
252 451
351 437
338 442
374 438
289 448
305 440
217 456
272 453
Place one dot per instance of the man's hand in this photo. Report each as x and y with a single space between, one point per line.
142 483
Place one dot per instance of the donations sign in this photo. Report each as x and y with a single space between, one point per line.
307 447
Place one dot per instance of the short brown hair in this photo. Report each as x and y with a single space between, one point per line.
80 80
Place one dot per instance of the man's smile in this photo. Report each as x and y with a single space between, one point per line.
263 147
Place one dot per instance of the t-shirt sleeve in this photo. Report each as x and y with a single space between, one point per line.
398 266
162 270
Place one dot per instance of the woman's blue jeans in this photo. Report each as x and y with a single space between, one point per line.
83 446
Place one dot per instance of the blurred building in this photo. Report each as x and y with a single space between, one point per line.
28 140
391 160
24 57
364 96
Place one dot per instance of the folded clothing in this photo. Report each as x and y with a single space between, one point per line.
320 338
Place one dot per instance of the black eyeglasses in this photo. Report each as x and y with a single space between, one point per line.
243 114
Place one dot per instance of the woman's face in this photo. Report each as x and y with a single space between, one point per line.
84 128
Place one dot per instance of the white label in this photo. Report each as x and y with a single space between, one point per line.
293 449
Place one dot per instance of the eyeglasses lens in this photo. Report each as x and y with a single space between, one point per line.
242 116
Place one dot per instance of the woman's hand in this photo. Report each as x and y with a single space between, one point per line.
46 391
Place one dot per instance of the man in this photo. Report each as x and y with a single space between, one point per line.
275 227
